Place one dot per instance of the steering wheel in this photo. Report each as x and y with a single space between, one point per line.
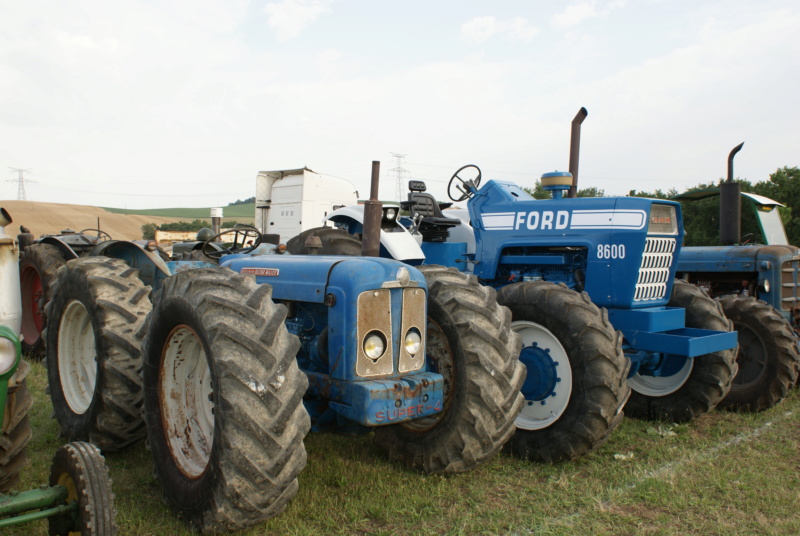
465 187
245 240
100 235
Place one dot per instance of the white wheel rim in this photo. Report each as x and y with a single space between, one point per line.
77 357
185 400
657 386
535 415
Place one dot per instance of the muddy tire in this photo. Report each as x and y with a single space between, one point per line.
702 382
768 358
93 356
223 400
334 242
16 432
576 387
81 469
469 342
38 266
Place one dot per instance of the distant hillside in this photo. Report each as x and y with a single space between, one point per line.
239 212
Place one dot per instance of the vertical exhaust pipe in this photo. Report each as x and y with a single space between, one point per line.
373 213
730 205
575 149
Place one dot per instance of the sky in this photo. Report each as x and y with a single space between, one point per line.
159 103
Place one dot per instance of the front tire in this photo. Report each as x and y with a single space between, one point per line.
768 358
223 400
469 342
38 266
702 382
93 356
16 432
81 469
576 385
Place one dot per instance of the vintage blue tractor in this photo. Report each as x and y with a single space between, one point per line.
573 272
240 354
79 498
756 280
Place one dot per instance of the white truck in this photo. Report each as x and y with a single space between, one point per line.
290 201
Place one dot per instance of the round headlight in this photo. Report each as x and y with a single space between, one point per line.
8 354
374 345
391 213
413 341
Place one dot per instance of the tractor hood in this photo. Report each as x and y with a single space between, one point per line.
309 278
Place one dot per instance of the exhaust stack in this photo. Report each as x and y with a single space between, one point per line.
730 205
575 149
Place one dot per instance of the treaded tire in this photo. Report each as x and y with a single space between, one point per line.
598 371
223 400
93 356
334 242
38 266
768 358
16 432
469 342
81 469
711 375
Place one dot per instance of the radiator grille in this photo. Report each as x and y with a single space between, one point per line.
655 269
789 282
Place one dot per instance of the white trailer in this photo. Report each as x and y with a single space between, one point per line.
290 201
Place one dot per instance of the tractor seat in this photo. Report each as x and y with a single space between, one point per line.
433 225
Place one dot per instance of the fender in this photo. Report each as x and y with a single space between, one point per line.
398 242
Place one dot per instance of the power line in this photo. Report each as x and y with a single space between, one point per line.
21 179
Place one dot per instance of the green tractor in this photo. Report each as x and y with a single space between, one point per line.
78 498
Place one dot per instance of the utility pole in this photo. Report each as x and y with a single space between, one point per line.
400 174
21 180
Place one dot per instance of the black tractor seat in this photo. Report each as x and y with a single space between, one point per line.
433 225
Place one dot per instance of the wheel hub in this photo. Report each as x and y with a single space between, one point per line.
77 357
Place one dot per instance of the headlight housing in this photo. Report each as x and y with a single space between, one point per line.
9 349
663 220
413 341
374 345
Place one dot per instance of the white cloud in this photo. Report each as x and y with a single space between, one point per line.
481 29
574 15
290 17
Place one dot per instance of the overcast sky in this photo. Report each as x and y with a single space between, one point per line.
152 104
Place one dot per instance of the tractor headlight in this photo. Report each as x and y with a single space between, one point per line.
413 341
374 345
9 350
663 220
391 213
765 285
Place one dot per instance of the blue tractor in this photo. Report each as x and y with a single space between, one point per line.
240 354
756 279
590 284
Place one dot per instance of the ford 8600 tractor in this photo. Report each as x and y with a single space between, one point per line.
573 272
240 354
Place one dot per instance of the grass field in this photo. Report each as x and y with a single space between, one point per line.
725 474
229 212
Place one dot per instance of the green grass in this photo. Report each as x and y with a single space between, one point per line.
233 211
724 473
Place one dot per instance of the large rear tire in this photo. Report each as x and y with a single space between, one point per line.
768 358
702 382
469 342
93 356
16 432
81 469
334 242
38 266
576 387
223 400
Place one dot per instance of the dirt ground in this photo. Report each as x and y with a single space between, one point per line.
51 218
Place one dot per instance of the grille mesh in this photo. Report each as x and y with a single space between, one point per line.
655 269
789 297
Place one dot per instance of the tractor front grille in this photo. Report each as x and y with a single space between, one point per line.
654 272
789 284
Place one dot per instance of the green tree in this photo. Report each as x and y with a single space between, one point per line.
538 192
